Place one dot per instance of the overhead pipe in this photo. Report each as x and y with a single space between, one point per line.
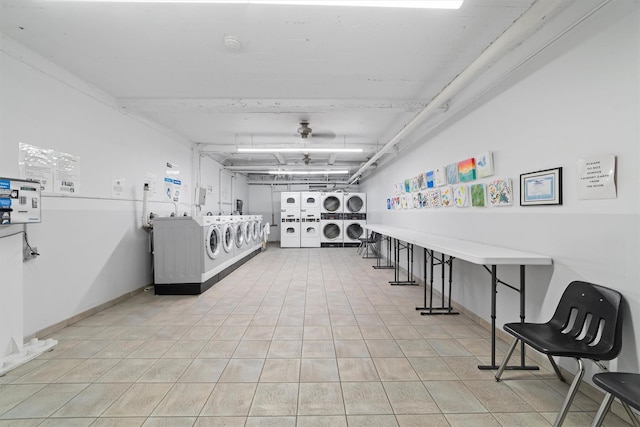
529 22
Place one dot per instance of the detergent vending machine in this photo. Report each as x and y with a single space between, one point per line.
19 201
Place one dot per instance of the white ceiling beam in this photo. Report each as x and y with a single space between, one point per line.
252 105
280 158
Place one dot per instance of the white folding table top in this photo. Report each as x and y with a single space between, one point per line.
477 253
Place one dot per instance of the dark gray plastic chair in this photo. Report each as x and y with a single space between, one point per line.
587 324
623 385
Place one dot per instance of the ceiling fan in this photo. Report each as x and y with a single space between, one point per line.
306 159
305 132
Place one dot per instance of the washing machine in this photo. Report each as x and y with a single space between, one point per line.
290 228
238 224
355 203
353 229
331 203
310 227
226 228
309 200
187 253
289 200
248 231
331 232
256 228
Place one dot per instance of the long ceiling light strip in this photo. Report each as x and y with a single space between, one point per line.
312 172
406 4
299 150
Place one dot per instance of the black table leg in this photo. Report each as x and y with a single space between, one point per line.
494 291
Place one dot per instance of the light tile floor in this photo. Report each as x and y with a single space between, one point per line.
295 337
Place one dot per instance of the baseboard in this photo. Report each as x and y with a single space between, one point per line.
81 316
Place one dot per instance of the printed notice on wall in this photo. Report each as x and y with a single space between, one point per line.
36 164
118 187
66 173
597 178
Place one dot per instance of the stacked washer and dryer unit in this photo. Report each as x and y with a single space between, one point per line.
290 220
354 218
331 224
191 254
327 219
310 220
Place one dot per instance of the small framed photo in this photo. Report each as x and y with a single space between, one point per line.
541 188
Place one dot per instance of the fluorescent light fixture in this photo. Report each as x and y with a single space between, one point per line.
407 4
299 150
312 172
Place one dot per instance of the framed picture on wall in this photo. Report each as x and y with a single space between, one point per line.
541 188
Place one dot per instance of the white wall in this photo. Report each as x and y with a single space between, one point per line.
579 99
92 246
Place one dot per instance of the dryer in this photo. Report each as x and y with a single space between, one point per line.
355 203
330 232
331 203
290 228
353 229
310 227
289 200
309 200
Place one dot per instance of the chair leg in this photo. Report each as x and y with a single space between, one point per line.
602 410
556 369
506 359
570 395
632 416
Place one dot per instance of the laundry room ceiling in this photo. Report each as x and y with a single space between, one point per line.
245 75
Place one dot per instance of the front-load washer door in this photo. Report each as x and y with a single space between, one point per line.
354 204
354 231
331 204
227 238
331 231
213 242
239 233
248 235
255 230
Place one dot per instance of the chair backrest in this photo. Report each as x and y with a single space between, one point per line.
591 314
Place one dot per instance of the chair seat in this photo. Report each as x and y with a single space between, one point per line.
625 386
547 339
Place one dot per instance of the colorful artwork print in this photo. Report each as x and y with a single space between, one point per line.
407 186
460 196
430 179
422 181
416 201
426 202
452 173
414 184
477 195
389 204
500 192
467 170
434 197
440 176
399 187
484 164
446 196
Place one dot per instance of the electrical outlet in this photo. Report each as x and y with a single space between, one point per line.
28 254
